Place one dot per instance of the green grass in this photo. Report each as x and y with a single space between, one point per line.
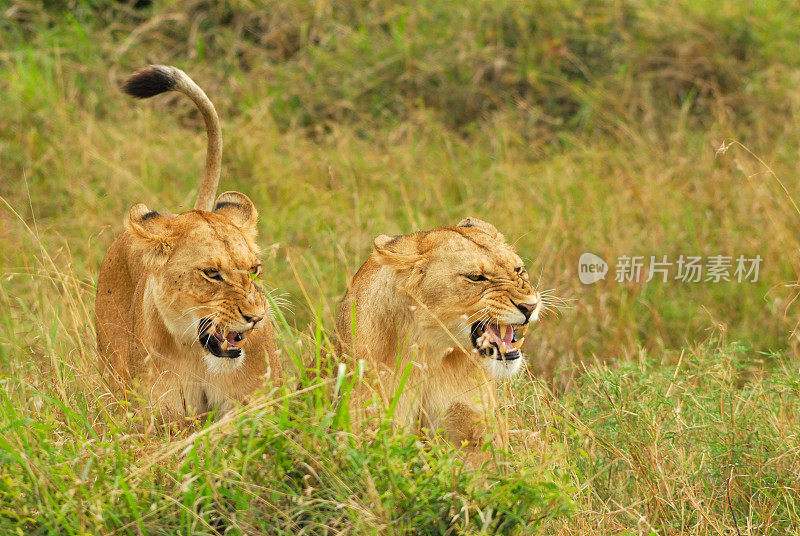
575 126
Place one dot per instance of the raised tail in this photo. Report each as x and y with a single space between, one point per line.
157 79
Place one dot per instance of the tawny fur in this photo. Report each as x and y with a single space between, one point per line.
411 302
152 292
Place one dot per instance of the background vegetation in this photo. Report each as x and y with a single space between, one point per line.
622 128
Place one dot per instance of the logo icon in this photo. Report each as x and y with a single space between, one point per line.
591 268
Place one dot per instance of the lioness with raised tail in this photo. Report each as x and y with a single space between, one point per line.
179 314
455 303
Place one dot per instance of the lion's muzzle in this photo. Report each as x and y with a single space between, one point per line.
221 343
501 342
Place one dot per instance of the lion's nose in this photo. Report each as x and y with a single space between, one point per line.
527 308
255 319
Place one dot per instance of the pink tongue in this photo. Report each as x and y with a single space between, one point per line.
509 335
231 337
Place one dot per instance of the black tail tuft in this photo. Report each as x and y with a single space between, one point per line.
149 81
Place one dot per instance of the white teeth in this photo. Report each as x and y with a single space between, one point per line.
494 340
224 344
483 341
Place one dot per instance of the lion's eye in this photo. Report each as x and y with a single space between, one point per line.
212 273
476 277
256 270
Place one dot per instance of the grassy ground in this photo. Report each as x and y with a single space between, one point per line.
666 408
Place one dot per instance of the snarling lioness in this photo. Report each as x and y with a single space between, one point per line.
179 314
455 302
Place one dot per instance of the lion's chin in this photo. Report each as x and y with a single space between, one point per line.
220 344
502 369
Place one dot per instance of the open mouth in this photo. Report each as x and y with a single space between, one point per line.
501 342
220 343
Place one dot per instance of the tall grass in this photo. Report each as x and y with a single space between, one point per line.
638 448
76 460
573 126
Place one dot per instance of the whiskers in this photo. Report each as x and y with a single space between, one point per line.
481 315
552 304
192 325
204 324
280 301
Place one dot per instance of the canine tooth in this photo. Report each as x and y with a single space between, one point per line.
224 344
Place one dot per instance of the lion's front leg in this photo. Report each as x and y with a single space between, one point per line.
464 423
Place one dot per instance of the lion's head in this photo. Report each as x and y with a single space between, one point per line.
467 289
202 268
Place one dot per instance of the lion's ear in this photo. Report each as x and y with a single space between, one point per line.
151 232
481 225
398 251
238 208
